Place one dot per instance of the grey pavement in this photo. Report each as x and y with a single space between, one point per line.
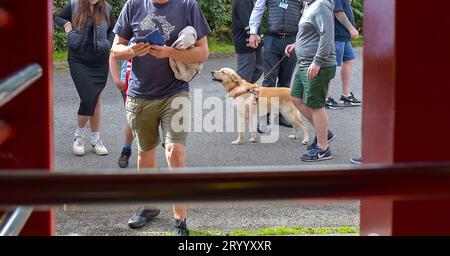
203 150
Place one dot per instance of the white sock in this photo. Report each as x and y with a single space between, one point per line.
80 132
95 136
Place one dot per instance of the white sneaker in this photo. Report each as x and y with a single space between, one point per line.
78 145
99 149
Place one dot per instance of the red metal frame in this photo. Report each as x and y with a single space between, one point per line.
25 40
405 114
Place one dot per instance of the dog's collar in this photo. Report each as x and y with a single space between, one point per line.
234 85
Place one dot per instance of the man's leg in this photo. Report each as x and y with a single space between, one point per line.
175 141
315 91
176 158
271 58
287 66
320 118
147 159
347 97
346 75
259 65
142 116
330 102
306 112
246 65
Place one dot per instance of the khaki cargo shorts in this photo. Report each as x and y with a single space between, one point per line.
145 116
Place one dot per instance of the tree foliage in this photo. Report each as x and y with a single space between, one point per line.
217 12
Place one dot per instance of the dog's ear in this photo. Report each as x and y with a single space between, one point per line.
235 78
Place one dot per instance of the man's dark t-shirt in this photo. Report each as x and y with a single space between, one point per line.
152 78
341 32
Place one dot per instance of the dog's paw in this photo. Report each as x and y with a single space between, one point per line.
236 142
305 142
253 139
292 136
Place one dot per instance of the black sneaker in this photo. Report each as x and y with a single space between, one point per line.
258 129
317 154
330 138
181 228
350 100
142 216
356 160
283 122
330 103
124 157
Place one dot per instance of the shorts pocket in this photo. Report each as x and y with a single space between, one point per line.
133 106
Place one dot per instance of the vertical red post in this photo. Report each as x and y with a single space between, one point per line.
27 38
406 106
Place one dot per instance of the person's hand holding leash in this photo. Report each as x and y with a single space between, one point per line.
313 71
289 49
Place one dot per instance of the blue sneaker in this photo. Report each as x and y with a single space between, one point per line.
313 145
356 160
317 154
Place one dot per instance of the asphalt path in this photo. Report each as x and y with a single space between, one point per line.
204 149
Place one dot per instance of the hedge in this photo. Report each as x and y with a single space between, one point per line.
217 12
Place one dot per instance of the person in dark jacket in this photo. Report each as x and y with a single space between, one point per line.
283 17
88 25
249 59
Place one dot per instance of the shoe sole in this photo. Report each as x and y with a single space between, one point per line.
354 162
79 153
124 166
349 104
99 154
319 159
334 108
132 226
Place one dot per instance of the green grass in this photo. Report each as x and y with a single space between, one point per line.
281 231
60 56
215 46
277 231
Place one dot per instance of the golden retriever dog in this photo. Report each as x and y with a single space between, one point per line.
258 100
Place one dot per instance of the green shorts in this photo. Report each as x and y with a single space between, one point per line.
145 116
312 91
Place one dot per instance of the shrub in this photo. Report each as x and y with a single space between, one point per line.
217 12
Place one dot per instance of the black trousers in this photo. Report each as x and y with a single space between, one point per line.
274 48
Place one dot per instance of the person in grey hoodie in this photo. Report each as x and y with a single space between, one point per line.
316 54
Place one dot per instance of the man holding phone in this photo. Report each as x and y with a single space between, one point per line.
153 86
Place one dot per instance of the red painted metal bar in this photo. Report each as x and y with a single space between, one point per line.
405 107
27 135
399 182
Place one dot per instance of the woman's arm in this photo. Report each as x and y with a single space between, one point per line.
64 18
111 34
